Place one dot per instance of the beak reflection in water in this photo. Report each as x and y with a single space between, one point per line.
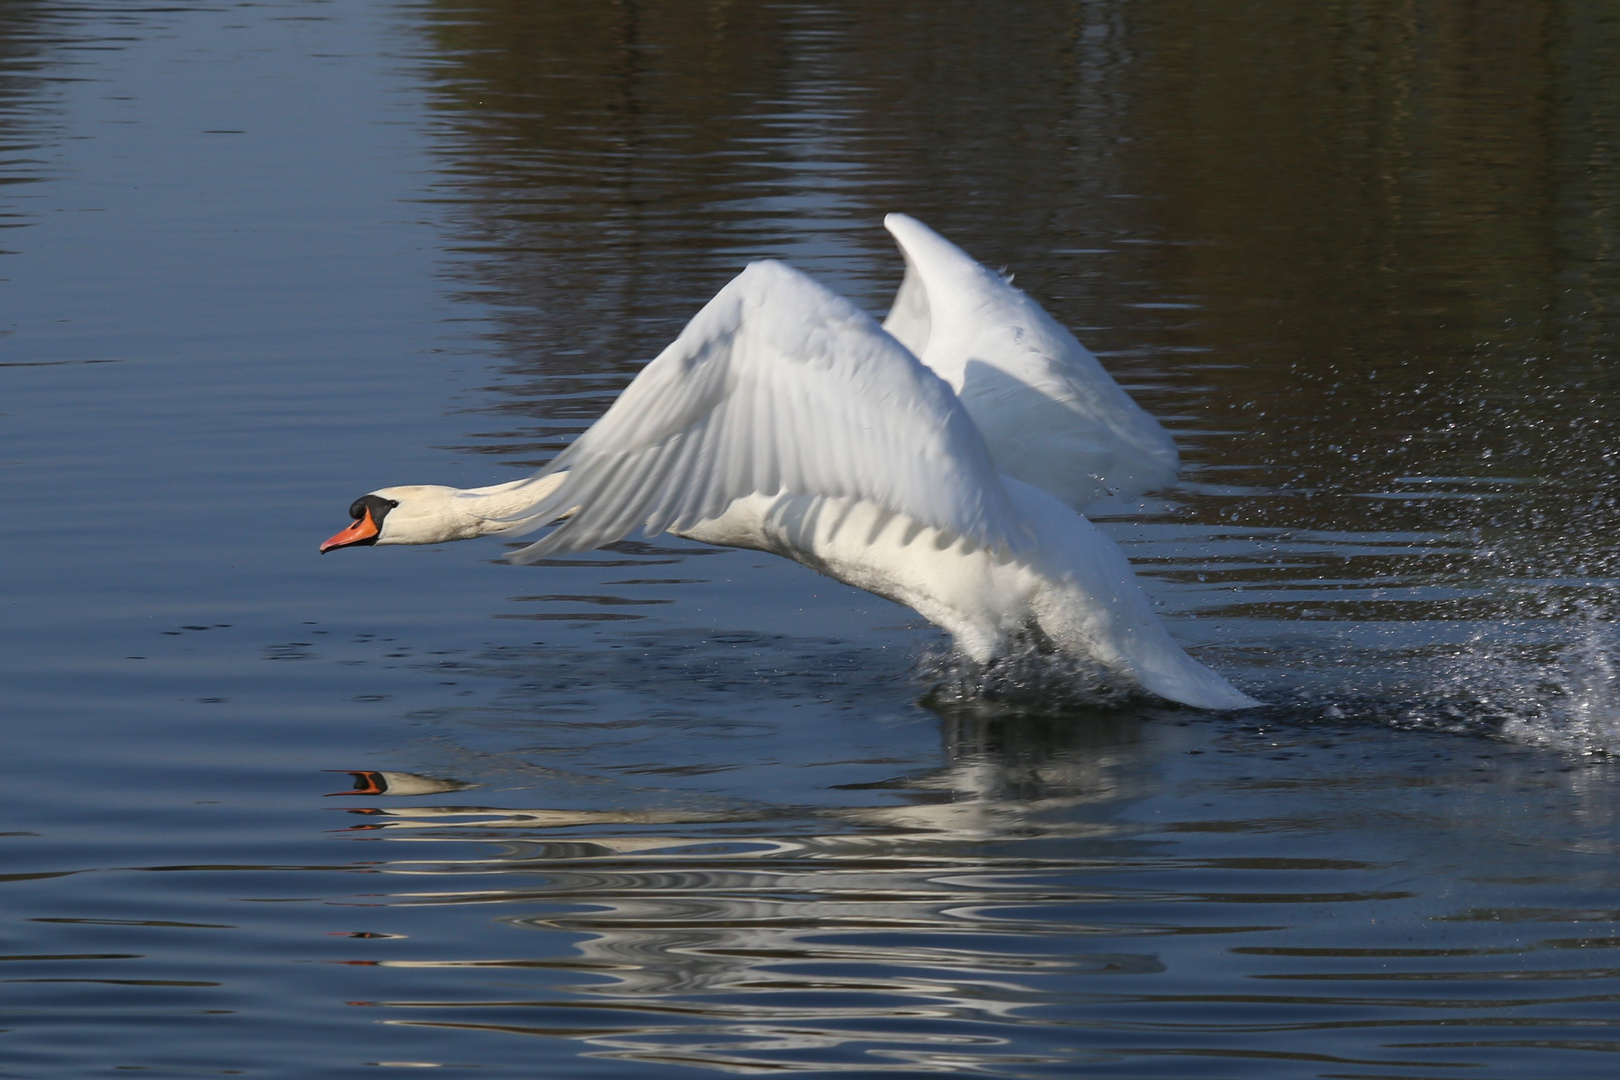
379 782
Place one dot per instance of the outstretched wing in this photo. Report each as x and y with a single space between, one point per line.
777 386
1049 413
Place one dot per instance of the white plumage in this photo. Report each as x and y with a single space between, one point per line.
777 386
786 420
1049 413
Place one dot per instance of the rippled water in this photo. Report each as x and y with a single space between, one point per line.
663 809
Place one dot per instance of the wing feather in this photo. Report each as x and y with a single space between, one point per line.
777 386
1049 413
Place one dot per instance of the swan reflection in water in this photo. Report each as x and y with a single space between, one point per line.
1008 911
882 935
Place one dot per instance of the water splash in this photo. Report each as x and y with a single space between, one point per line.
1575 704
1552 682
1031 677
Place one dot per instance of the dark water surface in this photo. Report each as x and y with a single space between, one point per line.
700 810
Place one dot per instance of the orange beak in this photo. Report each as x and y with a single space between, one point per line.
362 530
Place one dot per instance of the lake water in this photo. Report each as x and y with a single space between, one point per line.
699 811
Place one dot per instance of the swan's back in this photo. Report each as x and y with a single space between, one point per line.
1049 413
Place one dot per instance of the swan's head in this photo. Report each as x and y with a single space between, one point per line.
415 514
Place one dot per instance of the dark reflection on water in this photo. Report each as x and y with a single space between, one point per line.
26 42
663 805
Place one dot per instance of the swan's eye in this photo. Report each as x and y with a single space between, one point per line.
378 506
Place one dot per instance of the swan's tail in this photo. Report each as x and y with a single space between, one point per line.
1096 606
1191 683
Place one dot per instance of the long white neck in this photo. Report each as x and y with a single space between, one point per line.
509 500
432 514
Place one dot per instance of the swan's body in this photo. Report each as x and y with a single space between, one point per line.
1073 585
785 420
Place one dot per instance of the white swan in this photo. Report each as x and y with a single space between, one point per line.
786 420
